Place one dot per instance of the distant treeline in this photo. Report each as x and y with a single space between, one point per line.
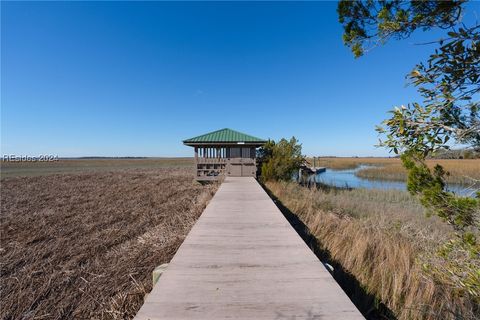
93 157
357 157
440 154
456 154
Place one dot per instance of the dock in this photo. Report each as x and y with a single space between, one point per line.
310 167
243 260
312 170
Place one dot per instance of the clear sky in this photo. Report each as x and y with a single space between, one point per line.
134 79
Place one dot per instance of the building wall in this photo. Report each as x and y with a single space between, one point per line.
214 162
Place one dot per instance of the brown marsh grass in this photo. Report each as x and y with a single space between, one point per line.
463 171
379 237
83 246
74 165
339 163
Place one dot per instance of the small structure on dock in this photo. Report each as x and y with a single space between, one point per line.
224 152
310 168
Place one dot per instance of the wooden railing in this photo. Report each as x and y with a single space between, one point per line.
215 168
211 160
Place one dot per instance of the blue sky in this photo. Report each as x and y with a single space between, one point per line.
134 79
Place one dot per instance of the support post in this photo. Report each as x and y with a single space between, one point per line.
158 272
196 162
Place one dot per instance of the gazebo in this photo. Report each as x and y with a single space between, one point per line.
224 152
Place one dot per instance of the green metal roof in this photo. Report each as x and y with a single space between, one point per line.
224 135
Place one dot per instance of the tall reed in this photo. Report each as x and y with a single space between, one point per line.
380 237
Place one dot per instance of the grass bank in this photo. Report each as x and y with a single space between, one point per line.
379 237
462 171
340 163
83 246
28 169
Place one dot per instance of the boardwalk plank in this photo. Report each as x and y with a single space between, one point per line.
243 260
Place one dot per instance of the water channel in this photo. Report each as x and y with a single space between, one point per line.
347 178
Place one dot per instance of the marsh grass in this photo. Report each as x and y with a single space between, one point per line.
82 165
465 171
379 237
462 171
83 246
340 163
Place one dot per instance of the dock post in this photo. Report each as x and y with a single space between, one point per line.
158 272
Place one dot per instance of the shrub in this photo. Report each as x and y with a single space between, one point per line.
280 160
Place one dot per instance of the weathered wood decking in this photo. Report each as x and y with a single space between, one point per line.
243 260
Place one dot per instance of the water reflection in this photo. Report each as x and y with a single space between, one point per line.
347 178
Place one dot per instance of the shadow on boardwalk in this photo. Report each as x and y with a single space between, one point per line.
369 306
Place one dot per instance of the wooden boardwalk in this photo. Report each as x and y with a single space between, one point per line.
243 260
